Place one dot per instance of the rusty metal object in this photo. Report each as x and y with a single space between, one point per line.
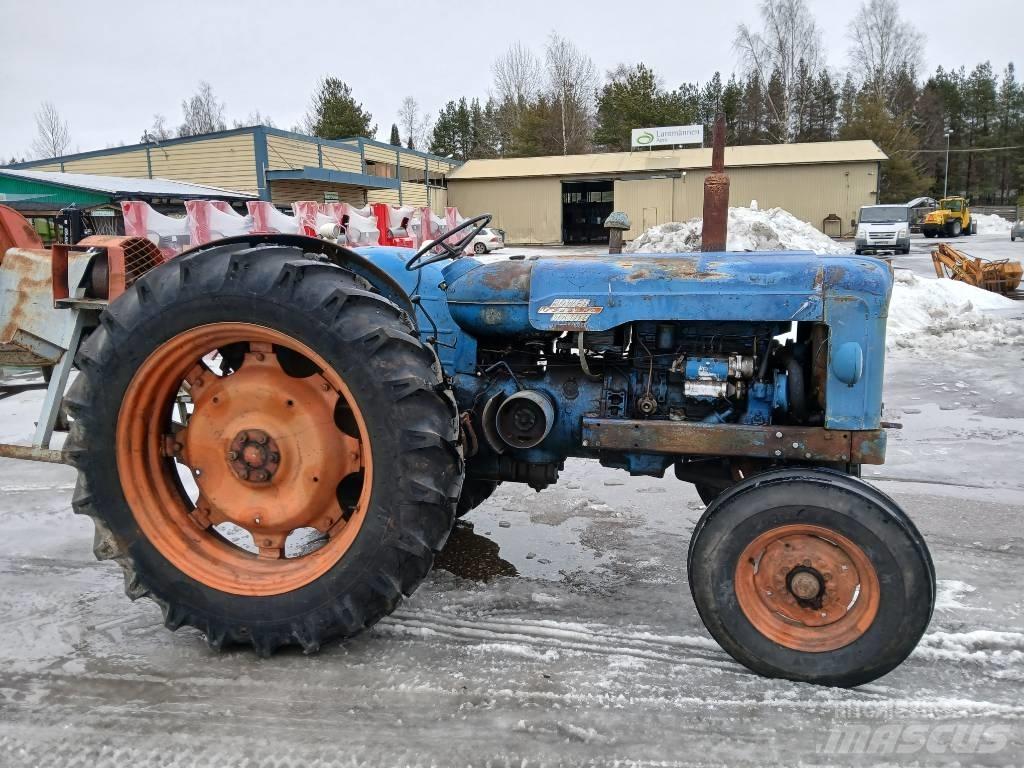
29 453
807 587
123 259
254 456
782 443
33 331
1001 276
16 232
294 478
716 194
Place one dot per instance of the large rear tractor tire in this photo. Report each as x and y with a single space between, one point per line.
954 228
811 575
265 447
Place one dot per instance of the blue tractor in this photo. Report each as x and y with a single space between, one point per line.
263 386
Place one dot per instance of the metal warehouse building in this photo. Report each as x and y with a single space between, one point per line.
276 165
565 199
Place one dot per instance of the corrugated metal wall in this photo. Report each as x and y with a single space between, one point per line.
120 164
228 162
414 194
341 160
648 202
529 210
286 192
438 199
382 196
809 192
288 154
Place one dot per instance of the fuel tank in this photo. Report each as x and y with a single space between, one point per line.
517 296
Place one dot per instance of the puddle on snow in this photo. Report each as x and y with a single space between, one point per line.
482 548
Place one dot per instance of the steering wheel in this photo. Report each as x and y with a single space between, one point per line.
451 251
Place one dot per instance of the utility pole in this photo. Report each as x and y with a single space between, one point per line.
945 183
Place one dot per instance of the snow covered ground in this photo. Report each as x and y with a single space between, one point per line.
928 316
557 629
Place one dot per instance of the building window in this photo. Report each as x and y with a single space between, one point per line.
383 170
437 179
412 174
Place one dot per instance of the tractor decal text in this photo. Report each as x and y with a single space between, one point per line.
570 314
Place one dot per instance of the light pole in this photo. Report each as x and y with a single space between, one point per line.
945 182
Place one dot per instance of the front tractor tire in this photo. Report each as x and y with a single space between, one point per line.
265 447
811 575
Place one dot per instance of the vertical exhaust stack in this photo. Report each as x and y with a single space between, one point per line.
716 194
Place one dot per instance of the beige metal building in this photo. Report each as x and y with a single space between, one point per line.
276 165
565 199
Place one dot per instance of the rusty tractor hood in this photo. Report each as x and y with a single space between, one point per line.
597 293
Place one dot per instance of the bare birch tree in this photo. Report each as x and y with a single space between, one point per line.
882 44
572 84
517 75
789 36
413 124
203 113
53 136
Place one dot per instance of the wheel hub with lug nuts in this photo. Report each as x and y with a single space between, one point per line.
807 587
265 451
254 456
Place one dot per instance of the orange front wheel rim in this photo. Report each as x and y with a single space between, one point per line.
274 444
807 587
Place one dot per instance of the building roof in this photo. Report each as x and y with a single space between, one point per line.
648 161
352 144
121 186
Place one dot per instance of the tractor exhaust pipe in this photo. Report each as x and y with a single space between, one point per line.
716 194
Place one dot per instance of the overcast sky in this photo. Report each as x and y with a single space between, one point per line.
110 65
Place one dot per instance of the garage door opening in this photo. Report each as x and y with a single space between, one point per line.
585 206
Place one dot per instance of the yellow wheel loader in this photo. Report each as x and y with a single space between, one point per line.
951 219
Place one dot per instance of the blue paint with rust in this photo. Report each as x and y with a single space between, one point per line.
493 299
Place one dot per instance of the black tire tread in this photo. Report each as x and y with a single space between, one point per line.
826 477
338 304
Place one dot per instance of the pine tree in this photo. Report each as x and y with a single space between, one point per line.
824 110
777 130
395 139
901 176
1011 132
802 94
633 98
732 103
334 114
710 100
443 140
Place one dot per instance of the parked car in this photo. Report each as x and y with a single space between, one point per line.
883 228
1017 230
489 239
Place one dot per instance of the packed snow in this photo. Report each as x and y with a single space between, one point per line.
990 224
750 229
929 316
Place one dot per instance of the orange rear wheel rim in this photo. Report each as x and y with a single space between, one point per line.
267 450
807 587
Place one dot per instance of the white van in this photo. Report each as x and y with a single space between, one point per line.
883 228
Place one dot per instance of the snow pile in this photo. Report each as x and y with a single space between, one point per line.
990 224
750 229
932 316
